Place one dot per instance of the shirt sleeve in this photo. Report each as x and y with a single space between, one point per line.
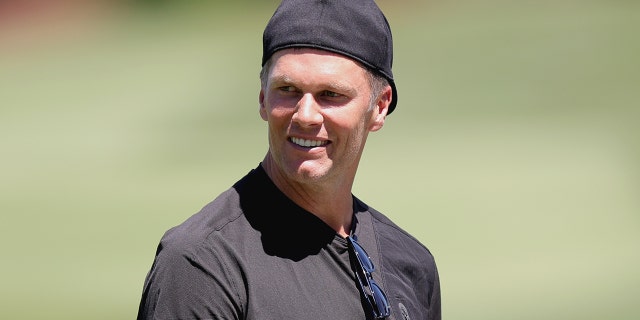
435 308
188 282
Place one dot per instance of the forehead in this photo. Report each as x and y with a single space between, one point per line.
316 62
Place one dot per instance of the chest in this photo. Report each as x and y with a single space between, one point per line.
320 286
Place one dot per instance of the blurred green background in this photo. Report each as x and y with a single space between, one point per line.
514 154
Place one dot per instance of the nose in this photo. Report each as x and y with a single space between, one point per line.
307 112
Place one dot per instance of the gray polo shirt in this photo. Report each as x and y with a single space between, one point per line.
254 254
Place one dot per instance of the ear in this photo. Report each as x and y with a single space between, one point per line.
263 110
380 109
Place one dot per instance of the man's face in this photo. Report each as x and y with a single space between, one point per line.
317 105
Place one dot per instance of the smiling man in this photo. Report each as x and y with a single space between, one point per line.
320 107
288 240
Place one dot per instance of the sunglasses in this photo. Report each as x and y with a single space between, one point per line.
371 290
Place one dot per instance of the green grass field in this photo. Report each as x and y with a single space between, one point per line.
514 154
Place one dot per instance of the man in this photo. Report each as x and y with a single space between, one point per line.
288 240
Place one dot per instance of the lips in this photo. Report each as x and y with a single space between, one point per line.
308 143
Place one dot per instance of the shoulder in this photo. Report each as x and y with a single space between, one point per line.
400 250
224 218
213 217
390 232
200 240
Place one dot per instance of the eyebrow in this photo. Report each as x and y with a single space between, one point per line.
281 79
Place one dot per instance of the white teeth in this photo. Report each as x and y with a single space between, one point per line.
307 143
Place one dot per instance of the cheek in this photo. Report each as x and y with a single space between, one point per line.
278 119
353 135
360 133
269 113
274 105
353 121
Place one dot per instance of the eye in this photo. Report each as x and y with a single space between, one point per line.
287 89
330 94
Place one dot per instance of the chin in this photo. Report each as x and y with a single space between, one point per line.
311 172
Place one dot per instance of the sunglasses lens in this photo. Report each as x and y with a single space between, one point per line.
382 304
363 257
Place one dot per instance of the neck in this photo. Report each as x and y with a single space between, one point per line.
330 202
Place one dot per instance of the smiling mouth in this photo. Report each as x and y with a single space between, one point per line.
306 143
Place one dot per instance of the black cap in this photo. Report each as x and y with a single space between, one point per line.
354 28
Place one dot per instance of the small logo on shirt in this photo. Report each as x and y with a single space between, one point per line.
403 311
